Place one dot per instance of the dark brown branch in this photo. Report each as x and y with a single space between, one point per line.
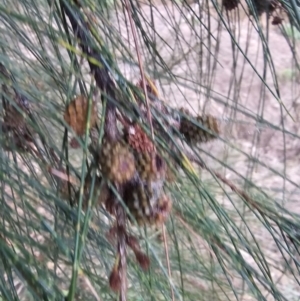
108 88
101 74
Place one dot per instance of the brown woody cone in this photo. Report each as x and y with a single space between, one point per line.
147 203
138 201
138 139
262 6
142 259
195 134
277 20
15 126
117 162
76 114
115 279
230 4
133 242
135 202
149 164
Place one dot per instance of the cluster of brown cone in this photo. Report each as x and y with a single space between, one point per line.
132 162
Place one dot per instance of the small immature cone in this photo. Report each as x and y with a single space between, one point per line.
194 133
14 125
142 259
147 204
132 242
77 112
264 6
230 4
115 280
277 20
117 162
114 277
138 139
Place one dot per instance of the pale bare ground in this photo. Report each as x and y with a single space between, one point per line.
260 139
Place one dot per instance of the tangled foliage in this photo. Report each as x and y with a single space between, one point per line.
137 158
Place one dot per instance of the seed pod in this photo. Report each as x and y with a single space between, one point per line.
77 112
230 4
150 166
142 259
115 278
194 133
264 6
137 139
117 162
277 20
14 126
146 202
133 243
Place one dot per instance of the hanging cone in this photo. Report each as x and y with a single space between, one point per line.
138 139
147 203
76 114
264 6
230 4
15 106
19 134
277 20
196 134
117 162
149 164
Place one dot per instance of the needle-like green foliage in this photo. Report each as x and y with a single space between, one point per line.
233 232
